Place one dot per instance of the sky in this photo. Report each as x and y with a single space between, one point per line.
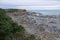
31 4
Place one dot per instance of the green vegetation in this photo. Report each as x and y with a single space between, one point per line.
12 10
10 30
31 37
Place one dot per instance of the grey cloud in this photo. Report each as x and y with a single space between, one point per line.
31 4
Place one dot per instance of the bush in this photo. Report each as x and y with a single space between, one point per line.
10 30
7 26
30 37
12 10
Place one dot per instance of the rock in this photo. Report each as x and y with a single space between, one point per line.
21 10
37 24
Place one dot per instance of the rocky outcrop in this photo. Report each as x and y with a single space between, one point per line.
21 10
43 26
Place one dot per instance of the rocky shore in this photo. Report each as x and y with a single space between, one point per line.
45 27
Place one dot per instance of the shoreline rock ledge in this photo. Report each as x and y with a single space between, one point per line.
44 27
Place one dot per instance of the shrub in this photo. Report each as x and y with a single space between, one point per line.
10 30
7 26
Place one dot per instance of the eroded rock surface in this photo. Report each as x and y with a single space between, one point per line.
44 27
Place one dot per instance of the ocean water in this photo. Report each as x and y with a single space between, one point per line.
47 12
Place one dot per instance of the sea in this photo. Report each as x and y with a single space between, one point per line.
46 12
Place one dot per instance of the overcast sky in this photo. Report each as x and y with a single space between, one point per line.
31 4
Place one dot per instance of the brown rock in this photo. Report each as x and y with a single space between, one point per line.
21 10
